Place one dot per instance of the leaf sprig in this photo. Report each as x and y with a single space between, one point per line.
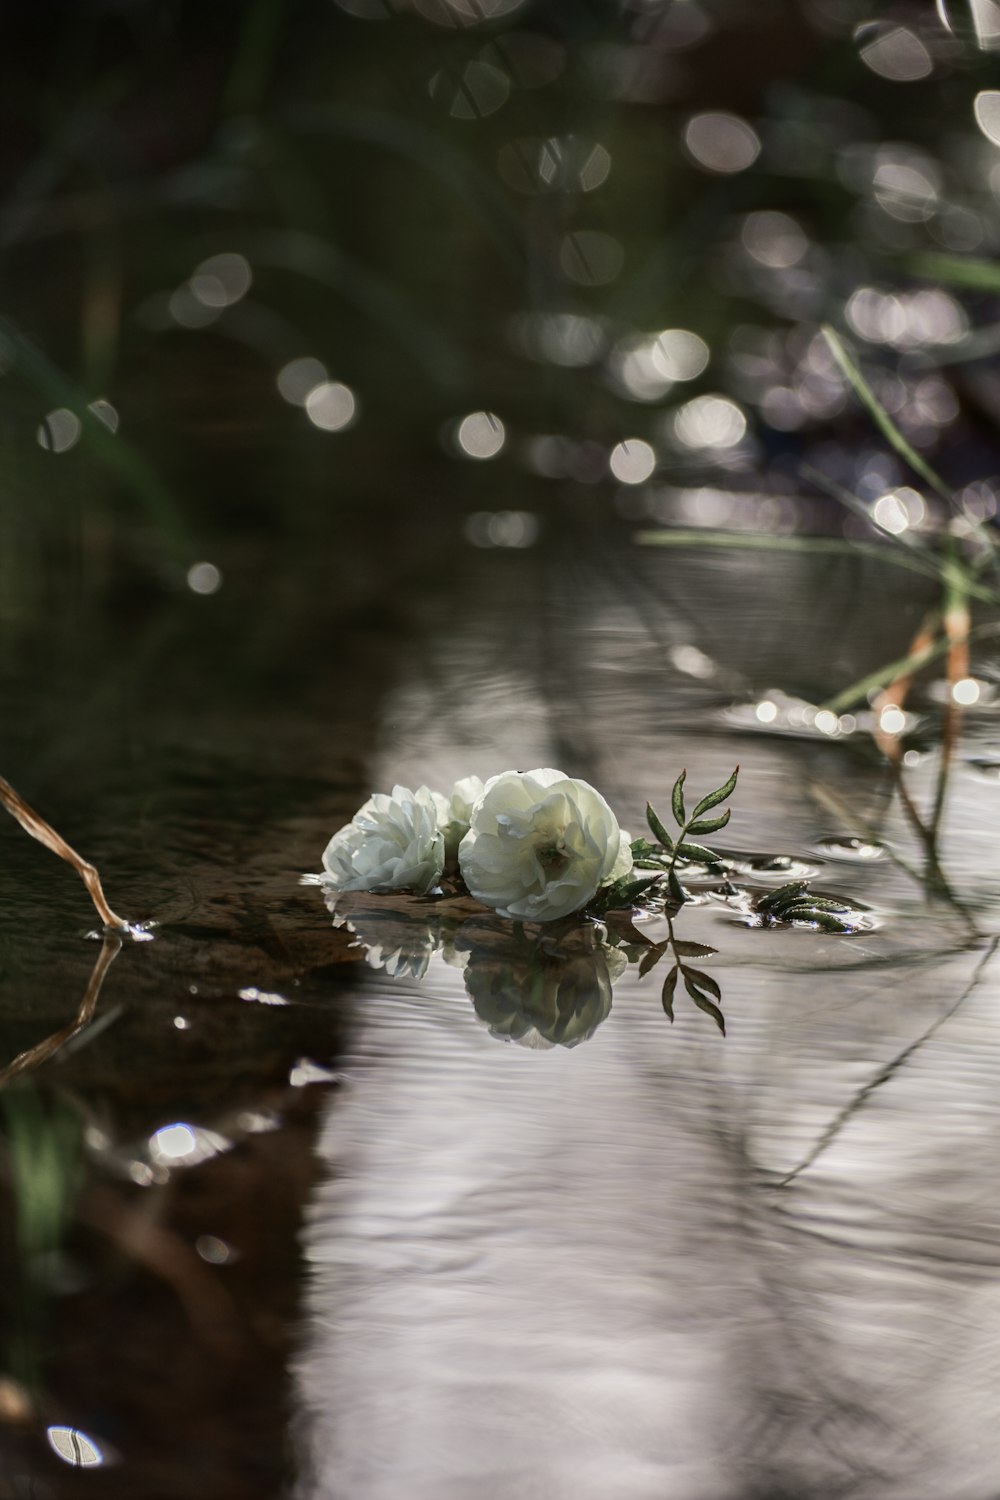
664 854
795 902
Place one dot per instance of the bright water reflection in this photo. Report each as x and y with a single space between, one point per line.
665 1262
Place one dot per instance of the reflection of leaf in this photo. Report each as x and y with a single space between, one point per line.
667 997
703 1003
652 958
703 981
684 949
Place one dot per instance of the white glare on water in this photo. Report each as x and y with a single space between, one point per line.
60 430
299 377
204 578
632 461
74 1447
721 142
966 691
480 435
331 406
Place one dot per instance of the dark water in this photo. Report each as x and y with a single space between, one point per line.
276 1222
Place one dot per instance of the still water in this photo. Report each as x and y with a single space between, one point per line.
366 1210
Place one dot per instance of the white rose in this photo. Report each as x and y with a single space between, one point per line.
540 845
393 843
456 812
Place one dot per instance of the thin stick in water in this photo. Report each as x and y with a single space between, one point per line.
46 834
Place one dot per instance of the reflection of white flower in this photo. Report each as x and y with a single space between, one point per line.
393 843
540 844
456 811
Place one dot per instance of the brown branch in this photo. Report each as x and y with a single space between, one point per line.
46 834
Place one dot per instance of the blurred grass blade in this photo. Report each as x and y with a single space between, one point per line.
309 255
114 451
879 415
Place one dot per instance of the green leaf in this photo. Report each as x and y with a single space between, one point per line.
677 800
710 825
667 995
685 949
676 889
714 798
629 891
651 958
775 900
656 826
697 851
703 981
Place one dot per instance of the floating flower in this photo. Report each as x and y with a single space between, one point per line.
393 843
540 845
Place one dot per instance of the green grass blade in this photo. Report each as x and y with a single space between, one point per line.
879 415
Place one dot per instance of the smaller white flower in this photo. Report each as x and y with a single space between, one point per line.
393 843
456 812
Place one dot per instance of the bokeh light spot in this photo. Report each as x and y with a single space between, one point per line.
60 430
987 112
894 52
966 691
299 377
679 354
721 142
331 406
74 1447
480 435
709 422
204 578
632 461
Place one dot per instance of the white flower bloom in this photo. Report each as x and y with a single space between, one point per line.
540 845
456 812
393 843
